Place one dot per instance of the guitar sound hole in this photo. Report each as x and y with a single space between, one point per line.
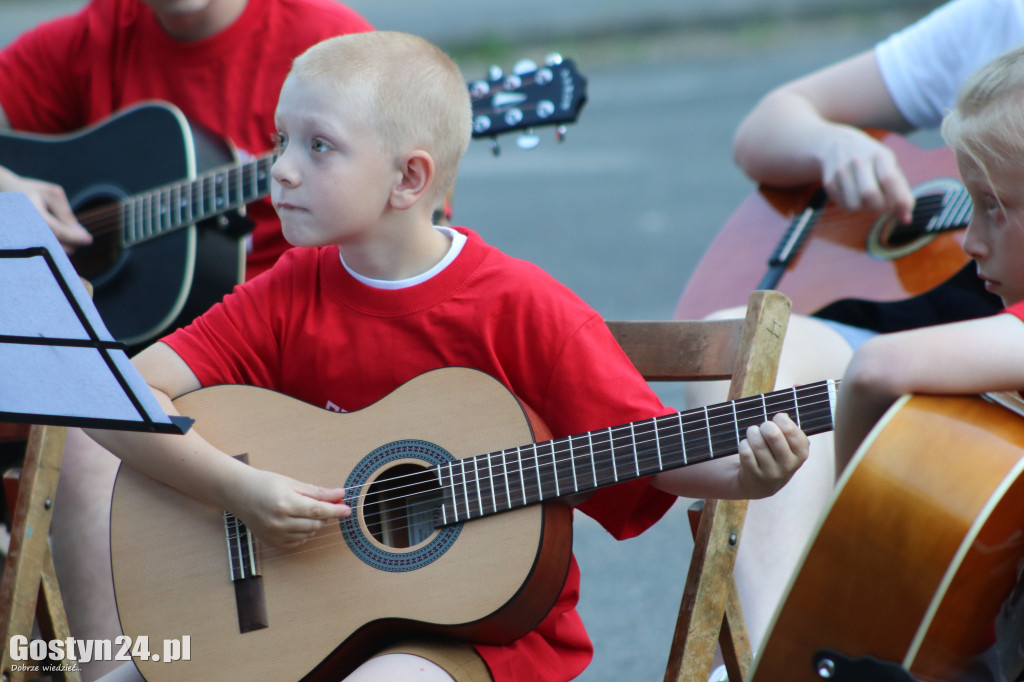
399 508
101 216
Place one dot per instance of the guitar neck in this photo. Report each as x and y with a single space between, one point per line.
176 205
517 477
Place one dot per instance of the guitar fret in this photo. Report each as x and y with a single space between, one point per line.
536 471
682 437
593 464
465 489
736 421
127 221
522 476
572 466
611 449
636 460
444 503
224 193
165 209
154 214
499 482
508 480
554 469
491 479
176 204
657 444
140 218
476 479
239 188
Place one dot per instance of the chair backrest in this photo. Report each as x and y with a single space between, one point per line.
745 351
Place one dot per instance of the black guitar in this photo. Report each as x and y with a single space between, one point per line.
160 195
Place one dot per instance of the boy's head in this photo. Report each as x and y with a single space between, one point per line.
404 88
987 125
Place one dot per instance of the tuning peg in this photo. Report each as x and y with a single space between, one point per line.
553 59
479 89
495 73
524 66
495 147
527 140
481 124
560 132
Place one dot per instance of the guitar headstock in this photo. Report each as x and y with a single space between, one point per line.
530 97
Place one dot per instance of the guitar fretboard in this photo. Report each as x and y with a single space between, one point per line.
517 477
170 207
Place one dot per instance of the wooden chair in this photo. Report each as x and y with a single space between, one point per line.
29 592
745 351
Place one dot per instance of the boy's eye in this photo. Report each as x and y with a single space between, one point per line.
280 141
318 146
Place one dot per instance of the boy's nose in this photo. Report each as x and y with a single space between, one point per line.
282 173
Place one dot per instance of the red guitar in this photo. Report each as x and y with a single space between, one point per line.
810 249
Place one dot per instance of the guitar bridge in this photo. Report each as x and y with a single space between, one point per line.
243 563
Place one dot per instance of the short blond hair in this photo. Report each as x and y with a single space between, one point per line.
987 125
405 88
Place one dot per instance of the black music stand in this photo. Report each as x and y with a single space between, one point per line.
59 367
58 363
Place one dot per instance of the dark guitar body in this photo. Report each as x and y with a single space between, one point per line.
148 289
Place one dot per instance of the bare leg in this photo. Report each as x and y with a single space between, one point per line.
80 537
126 673
398 668
777 528
387 668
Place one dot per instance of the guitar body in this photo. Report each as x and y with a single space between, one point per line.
842 257
151 287
918 561
328 604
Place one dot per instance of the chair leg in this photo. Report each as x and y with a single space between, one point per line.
29 585
709 584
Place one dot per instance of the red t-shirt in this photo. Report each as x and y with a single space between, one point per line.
1016 309
309 329
78 70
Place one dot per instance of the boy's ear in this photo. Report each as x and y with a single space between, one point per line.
417 177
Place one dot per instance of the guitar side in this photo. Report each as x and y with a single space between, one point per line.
325 606
918 554
835 261
153 286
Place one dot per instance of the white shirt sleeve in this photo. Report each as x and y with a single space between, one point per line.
925 64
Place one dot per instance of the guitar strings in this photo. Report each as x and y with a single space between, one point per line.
330 532
722 439
110 217
701 418
646 452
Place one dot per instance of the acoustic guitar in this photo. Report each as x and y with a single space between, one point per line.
147 179
797 241
916 570
458 529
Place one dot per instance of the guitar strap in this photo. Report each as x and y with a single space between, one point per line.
961 297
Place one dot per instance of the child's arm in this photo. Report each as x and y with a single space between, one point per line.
961 358
768 458
279 510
